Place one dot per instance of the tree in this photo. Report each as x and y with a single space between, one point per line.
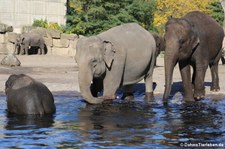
90 17
217 11
177 9
223 6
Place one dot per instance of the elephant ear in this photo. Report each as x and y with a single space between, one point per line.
194 38
195 42
109 53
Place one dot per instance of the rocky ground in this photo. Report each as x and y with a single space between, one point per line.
60 75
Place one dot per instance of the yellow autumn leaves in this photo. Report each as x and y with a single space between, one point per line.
177 8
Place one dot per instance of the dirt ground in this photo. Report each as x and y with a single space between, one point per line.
60 75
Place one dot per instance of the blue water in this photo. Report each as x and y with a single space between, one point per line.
134 124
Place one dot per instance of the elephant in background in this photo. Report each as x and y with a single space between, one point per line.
121 56
160 44
27 40
194 40
24 95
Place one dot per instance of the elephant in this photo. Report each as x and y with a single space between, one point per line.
160 44
118 57
27 40
193 40
223 57
26 96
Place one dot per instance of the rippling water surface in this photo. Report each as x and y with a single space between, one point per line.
120 124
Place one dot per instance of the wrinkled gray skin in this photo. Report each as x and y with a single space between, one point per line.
24 96
194 40
160 44
121 56
27 40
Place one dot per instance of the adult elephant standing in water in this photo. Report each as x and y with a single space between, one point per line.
121 56
196 40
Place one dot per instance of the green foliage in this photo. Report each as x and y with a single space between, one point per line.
217 11
90 17
50 25
40 23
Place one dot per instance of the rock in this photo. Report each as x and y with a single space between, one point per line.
69 36
11 37
2 38
49 33
27 29
60 51
10 60
9 29
48 41
55 34
3 48
41 31
61 43
5 28
10 47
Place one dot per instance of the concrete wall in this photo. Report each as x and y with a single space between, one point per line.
18 13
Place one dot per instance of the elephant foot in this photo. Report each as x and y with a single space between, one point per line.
215 88
189 98
95 101
108 97
149 96
199 95
128 96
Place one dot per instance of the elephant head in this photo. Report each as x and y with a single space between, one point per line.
94 56
17 81
17 45
181 40
160 43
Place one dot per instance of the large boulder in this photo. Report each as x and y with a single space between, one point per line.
5 28
10 60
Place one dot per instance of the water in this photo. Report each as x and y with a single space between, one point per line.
135 124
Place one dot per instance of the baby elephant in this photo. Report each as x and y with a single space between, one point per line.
27 96
27 40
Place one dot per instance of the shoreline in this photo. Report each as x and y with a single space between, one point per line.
60 75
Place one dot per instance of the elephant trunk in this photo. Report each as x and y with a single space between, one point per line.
170 62
85 78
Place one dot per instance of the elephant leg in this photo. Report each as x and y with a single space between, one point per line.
42 48
199 88
39 51
215 78
148 80
112 81
149 87
128 92
111 84
26 49
186 78
21 52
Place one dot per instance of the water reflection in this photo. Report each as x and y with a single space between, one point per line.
112 122
140 123
121 124
19 122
